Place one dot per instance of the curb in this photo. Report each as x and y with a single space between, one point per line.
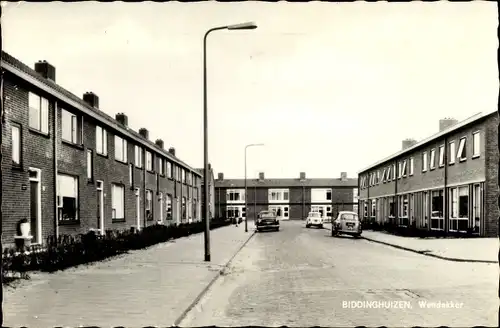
426 253
207 288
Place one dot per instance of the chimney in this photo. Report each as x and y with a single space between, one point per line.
159 143
302 176
220 176
446 123
171 150
407 143
46 70
122 119
261 176
144 133
343 176
91 99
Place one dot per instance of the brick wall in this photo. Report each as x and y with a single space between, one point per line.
491 193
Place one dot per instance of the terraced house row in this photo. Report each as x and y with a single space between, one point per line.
448 182
68 167
289 198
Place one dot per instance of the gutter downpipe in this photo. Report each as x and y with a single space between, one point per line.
56 156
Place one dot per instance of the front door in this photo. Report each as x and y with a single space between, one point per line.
100 206
282 211
161 206
138 208
35 205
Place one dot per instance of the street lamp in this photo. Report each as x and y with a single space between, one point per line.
246 216
243 26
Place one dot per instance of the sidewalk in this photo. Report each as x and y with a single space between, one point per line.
150 287
483 250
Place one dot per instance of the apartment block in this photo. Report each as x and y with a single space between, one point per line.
447 182
289 198
68 167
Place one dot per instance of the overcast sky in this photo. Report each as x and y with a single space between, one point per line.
327 87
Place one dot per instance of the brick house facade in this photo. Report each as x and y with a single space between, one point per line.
68 167
291 198
447 183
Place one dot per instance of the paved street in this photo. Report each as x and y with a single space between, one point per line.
301 277
147 287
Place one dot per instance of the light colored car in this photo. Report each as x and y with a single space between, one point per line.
347 223
314 219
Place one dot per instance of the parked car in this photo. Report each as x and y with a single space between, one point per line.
347 223
314 219
267 220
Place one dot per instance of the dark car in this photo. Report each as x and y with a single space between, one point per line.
267 220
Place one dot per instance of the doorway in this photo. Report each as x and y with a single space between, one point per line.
282 211
100 206
35 205
138 208
324 210
160 196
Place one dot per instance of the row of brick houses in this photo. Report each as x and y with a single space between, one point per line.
68 167
290 198
446 183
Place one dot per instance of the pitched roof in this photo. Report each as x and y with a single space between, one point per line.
286 183
432 138
16 67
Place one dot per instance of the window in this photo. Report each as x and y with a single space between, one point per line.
374 208
71 127
161 166
388 174
118 202
378 177
441 156
432 164
424 161
328 195
392 208
138 156
90 165
169 207
476 144
404 168
183 173
452 152
67 198
233 195
383 175
184 212
318 195
120 149
149 161
459 208
38 113
149 205
393 172
178 173
476 203
462 151
169 170
131 175
437 219
365 209
16 144
411 166
101 137
400 170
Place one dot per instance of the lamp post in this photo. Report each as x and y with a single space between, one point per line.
246 216
243 26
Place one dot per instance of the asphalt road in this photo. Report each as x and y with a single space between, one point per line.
304 277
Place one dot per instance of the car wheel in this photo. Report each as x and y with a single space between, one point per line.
307 225
278 229
321 226
357 235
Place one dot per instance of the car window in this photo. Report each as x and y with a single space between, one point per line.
314 215
267 215
349 217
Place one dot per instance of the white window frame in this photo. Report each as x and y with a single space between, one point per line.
278 195
120 143
441 156
239 192
412 165
432 164
161 166
393 172
38 120
60 197
400 170
131 174
168 207
404 168
452 152
319 195
183 175
383 175
137 156
476 144
149 204
117 213
90 165
477 207
425 163
16 144
149 160
101 139
169 170
388 175
440 219
462 149
75 135
454 194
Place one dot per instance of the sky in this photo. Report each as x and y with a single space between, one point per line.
326 87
